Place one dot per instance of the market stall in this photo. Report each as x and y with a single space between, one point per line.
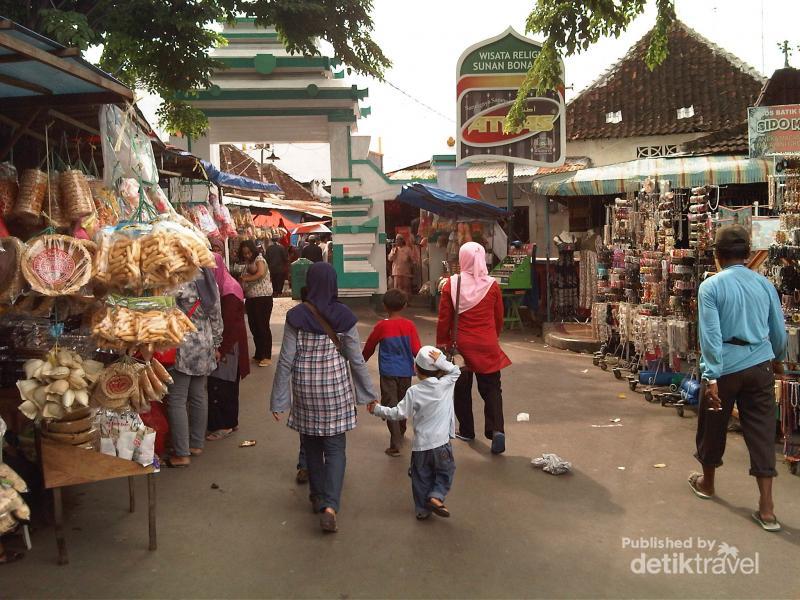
91 250
447 221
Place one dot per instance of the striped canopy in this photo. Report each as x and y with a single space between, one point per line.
682 172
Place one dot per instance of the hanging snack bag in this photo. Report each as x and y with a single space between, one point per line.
53 205
105 204
117 263
117 388
76 195
32 194
12 282
56 265
9 188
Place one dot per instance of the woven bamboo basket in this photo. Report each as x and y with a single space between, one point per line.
56 265
32 193
9 189
12 282
53 203
76 194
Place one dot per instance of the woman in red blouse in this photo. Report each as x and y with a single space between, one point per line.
233 363
480 321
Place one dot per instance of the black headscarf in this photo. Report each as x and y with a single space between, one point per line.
323 294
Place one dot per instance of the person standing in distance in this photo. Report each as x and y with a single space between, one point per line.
741 327
278 263
312 251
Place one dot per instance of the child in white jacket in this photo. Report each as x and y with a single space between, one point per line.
430 404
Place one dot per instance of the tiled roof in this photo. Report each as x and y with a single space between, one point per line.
731 140
487 171
782 88
235 161
695 73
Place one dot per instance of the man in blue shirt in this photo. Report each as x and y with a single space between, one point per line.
741 332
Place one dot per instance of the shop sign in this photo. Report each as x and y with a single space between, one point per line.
774 130
488 76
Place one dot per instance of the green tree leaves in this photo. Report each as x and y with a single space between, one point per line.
572 26
163 46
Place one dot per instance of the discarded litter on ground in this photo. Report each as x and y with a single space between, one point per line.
552 463
523 418
621 468
660 466
247 443
615 420
621 396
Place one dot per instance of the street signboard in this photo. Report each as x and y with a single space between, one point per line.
488 76
774 130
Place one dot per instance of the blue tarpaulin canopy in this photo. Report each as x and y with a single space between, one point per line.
447 204
237 181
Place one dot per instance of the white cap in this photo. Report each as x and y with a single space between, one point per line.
424 360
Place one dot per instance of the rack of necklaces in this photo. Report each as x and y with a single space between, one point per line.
783 269
656 251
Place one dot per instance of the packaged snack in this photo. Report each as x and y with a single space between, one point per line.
32 193
56 265
9 188
12 281
76 195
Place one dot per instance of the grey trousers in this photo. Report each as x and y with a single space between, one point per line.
187 409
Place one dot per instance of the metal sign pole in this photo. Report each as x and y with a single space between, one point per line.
510 201
547 252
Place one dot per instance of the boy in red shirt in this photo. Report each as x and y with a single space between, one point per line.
399 344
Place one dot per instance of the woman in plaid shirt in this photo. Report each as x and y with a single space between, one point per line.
323 393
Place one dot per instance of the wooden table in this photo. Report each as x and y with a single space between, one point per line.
64 465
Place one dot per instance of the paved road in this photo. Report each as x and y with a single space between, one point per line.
515 531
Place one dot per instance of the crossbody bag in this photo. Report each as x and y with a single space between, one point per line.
453 353
326 327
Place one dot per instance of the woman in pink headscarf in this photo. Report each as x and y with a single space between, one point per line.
232 357
480 321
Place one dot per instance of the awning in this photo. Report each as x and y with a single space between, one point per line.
237 181
447 204
315 227
682 172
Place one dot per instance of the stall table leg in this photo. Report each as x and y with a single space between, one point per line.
131 494
151 510
58 513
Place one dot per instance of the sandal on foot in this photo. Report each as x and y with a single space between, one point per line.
10 557
394 452
301 477
771 526
219 434
328 522
177 465
439 509
693 484
195 451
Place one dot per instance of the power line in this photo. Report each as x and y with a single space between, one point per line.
420 102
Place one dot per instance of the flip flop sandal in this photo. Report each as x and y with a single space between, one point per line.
10 557
771 526
440 511
693 484
173 465
195 451
219 434
394 452
328 522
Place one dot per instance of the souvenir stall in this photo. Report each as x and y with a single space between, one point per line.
782 266
87 268
655 250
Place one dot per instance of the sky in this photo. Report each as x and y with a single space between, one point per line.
424 38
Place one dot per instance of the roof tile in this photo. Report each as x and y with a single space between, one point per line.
695 73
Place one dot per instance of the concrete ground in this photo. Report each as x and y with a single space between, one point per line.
515 531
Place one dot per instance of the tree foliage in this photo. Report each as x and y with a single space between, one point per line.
163 46
572 26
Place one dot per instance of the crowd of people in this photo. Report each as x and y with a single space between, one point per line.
321 345
321 375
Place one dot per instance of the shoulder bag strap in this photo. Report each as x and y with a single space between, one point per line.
192 310
454 333
326 327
